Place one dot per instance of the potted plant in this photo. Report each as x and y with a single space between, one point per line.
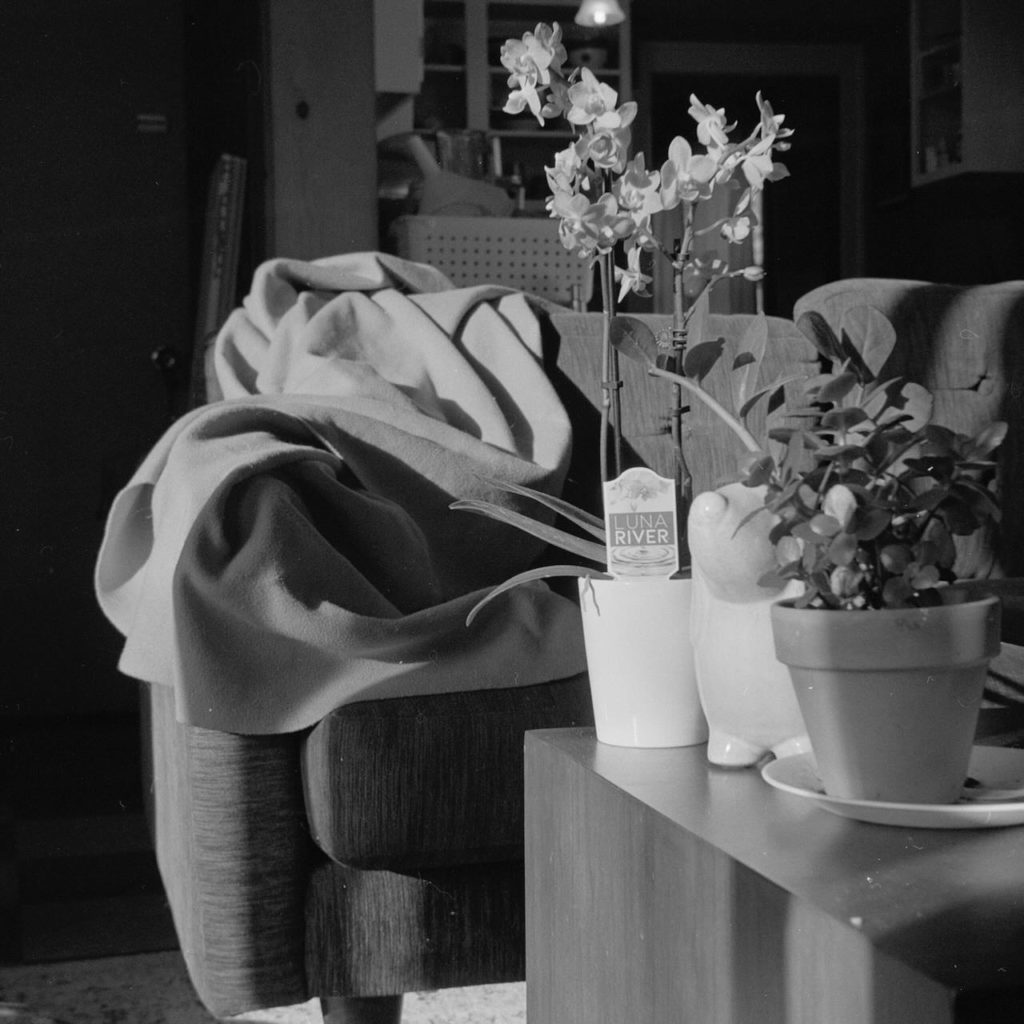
887 655
604 202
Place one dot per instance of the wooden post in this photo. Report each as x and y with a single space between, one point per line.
321 157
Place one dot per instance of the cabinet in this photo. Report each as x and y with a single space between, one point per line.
967 88
465 86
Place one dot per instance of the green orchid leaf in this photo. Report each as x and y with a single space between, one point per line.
700 360
545 572
634 339
549 534
586 521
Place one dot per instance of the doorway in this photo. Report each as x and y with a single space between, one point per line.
812 221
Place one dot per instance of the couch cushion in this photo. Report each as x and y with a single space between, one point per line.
368 766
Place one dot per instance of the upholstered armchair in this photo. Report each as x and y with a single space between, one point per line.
380 851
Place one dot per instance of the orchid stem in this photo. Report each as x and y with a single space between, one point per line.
611 400
719 410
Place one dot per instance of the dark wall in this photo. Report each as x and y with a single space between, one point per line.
967 232
94 277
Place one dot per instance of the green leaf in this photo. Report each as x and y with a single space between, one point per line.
549 534
869 523
873 337
634 339
543 573
747 365
895 557
820 334
843 419
585 520
825 525
755 468
843 549
838 387
917 402
700 360
775 387
697 319
987 441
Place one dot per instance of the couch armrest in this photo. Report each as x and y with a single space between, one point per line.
234 854
423 782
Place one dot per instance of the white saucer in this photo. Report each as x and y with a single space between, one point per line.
994 797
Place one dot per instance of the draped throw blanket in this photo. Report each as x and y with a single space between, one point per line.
289 547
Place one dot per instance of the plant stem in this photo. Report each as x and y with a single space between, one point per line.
747 439
611 399
684 482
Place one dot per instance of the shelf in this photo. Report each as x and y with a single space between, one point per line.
966 89
465 85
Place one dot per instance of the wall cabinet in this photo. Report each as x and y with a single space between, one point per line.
465 86
967 88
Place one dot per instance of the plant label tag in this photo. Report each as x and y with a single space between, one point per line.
640 525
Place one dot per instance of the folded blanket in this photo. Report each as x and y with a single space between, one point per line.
289 547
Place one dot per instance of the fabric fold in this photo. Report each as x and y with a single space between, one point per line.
290 547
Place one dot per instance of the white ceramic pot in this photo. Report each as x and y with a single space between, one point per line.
746 691
890 697
640 662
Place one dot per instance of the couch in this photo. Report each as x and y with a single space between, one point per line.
380 851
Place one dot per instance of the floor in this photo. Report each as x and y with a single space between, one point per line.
74 845
85 932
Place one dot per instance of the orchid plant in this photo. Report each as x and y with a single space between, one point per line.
605 200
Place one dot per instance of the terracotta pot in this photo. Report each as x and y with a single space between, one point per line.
640 662
890 698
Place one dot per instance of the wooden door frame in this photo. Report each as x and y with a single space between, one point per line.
845 62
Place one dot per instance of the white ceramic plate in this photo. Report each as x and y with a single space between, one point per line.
993 798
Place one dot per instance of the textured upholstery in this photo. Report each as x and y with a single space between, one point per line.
234 854
367 766
387 932
434 899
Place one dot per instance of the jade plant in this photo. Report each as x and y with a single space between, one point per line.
867 494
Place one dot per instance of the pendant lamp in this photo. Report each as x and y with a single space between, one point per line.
598 13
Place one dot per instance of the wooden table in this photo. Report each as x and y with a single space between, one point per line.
662 890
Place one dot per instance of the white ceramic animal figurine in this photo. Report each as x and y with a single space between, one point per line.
746 692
